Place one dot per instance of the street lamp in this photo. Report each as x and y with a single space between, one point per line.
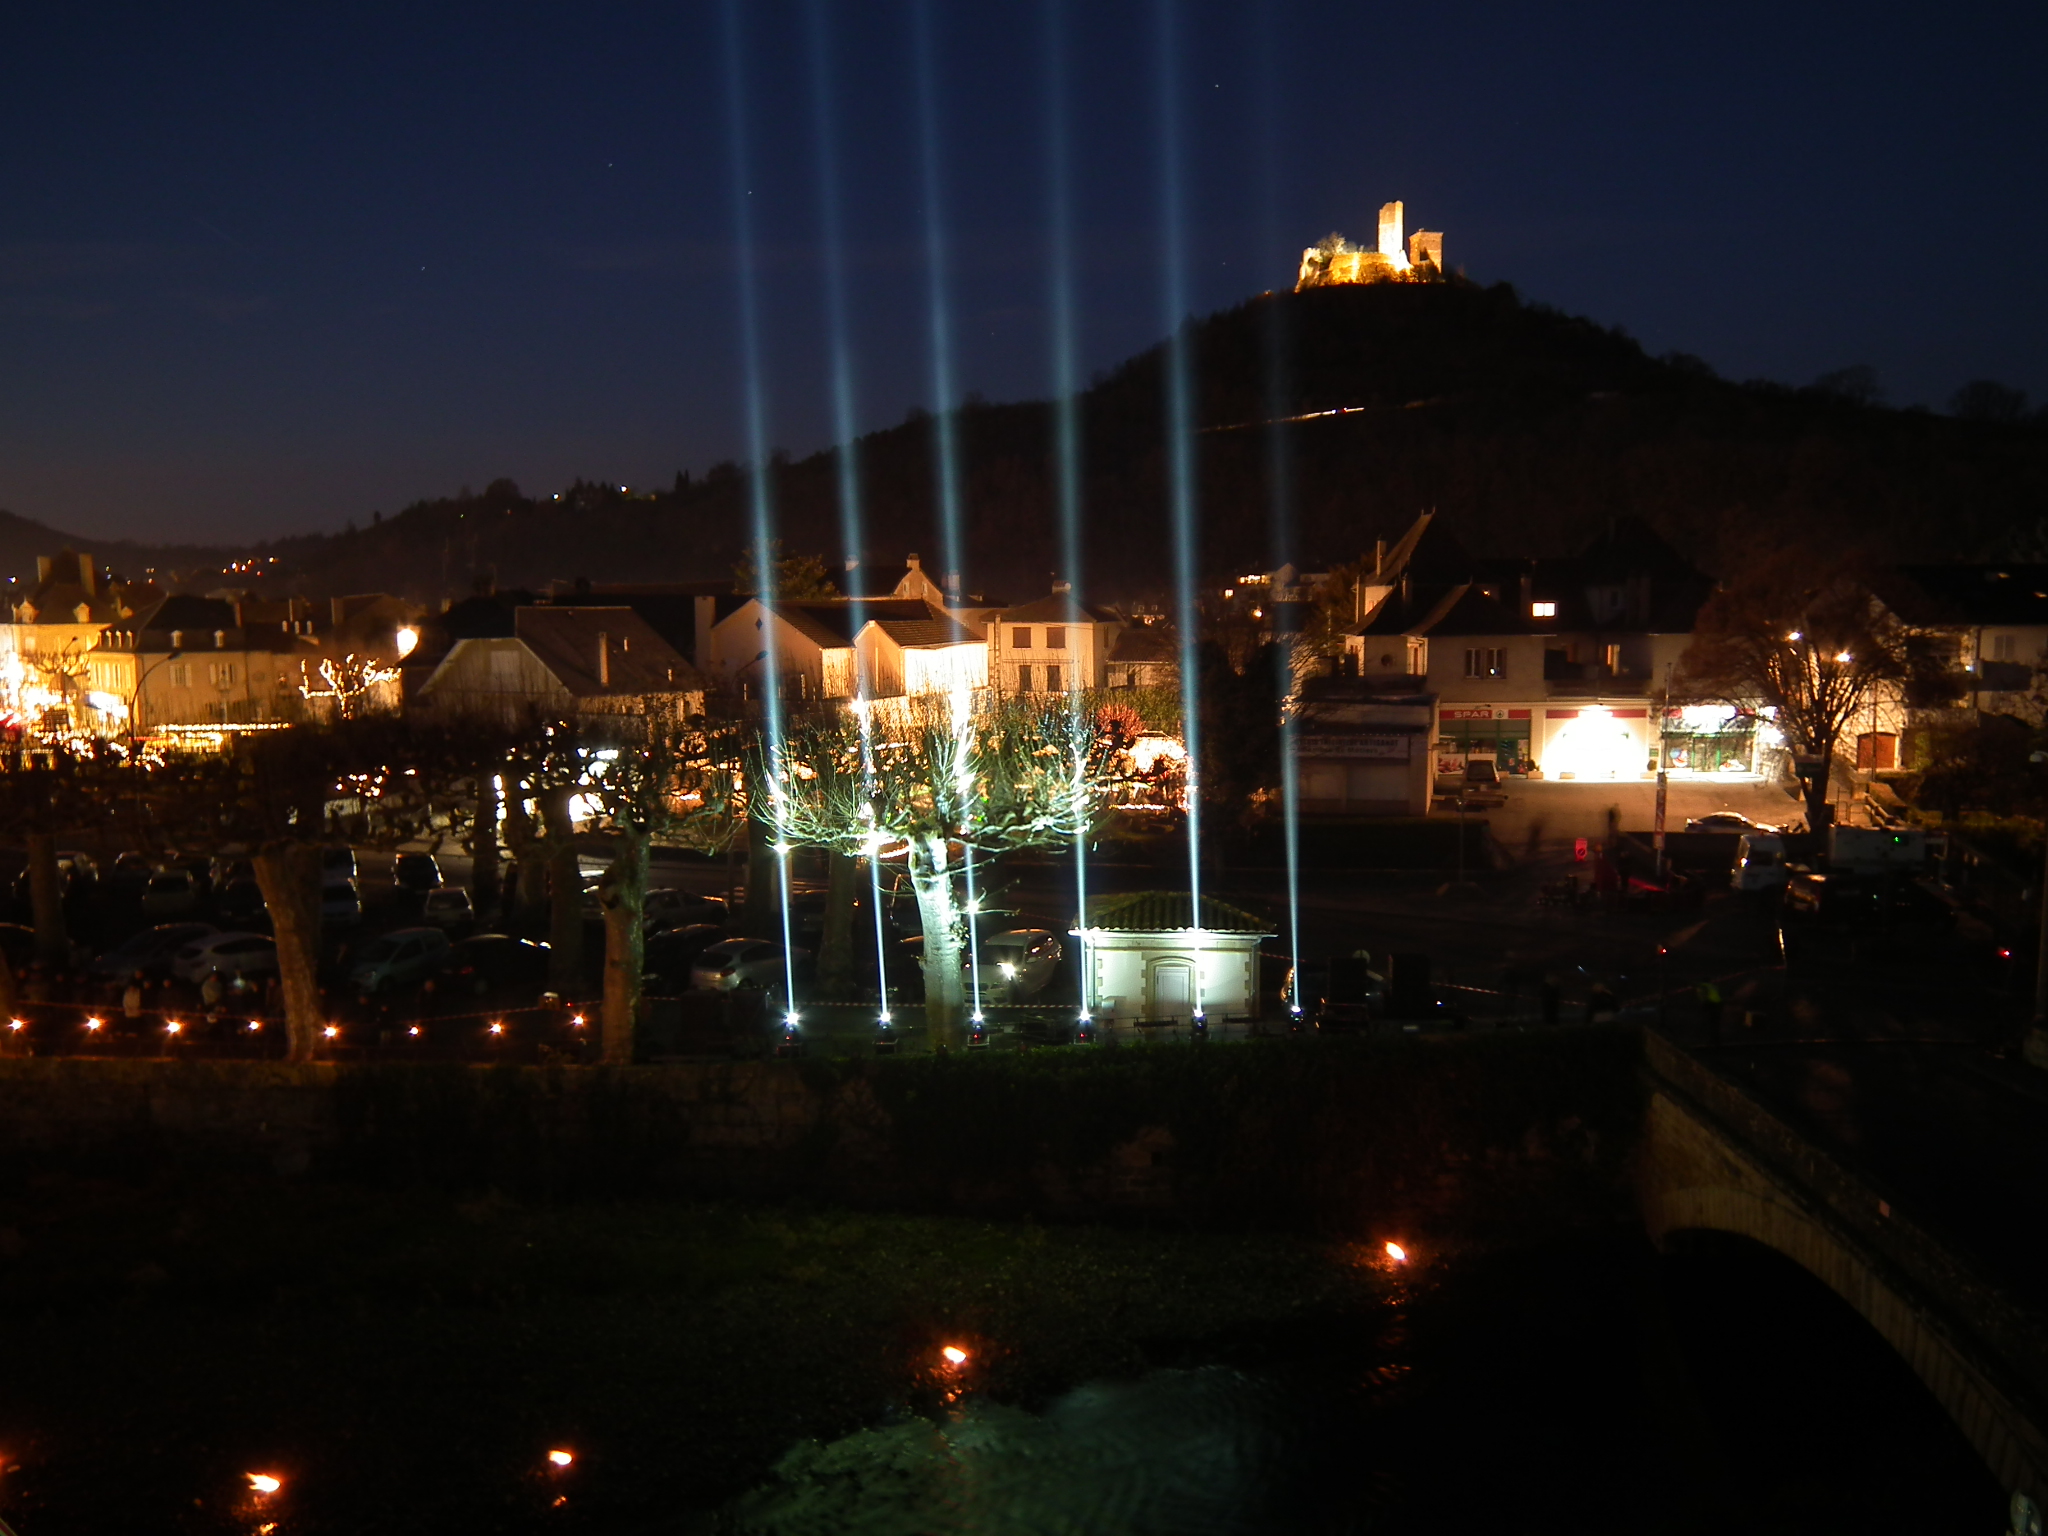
135 697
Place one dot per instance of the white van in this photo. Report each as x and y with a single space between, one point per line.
1759 862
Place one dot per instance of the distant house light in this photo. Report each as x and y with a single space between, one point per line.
1543 610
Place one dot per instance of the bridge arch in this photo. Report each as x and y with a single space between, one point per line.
1698 1174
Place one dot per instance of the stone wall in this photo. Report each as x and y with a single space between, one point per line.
1447 1132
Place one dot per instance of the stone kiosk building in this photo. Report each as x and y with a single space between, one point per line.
1145 957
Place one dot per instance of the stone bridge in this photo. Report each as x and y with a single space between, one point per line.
1716 1159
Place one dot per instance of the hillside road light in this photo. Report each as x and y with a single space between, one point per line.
1843 657
1794 637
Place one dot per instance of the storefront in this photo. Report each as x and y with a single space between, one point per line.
1597 742
1709 741
1499 732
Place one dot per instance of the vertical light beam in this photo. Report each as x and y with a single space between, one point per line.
761 490
939 300
1067 433
1180 451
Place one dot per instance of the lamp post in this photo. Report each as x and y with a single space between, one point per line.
135 695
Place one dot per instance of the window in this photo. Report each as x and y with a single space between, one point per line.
1611 656
1052 679
221 673
1056 638
1543 610
2003 647
1023 679
1131 678
1486 661
181 674
1877 751
1020 639
1418 656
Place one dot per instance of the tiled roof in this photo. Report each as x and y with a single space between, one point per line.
1169 912
565 641
832 625
910 632
1055 608
2004 593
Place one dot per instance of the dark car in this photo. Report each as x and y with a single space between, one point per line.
149 951
18 944
241 903
416 872
130 873
484 963
670 954
1728 821
666 908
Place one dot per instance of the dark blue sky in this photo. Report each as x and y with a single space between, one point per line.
265 269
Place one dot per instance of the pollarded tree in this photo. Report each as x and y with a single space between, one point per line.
1811 647
645 781
941 780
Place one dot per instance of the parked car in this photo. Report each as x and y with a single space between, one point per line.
18 944
229 865
670 954
400 958
668 908
170 893
130 873
241 901
338 864
447 908
75 871
416 872
197 865
732 964
1727 821
485 962
340 903
150 951
226 954
1017 964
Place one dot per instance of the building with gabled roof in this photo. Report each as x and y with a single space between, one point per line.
562 661
1055 644
1147 956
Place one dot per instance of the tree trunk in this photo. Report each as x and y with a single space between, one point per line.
484 889
623 891
945 990
288 874
1819 813
46 896
523 840
565 893
835 948
761 915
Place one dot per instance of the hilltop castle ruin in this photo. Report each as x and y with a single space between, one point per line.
1333 259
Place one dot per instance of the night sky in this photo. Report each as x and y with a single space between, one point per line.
267 269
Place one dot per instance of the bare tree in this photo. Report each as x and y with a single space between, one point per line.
937 780
1807 646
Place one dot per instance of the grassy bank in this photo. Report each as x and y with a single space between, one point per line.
404 1361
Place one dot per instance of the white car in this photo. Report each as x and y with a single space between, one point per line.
1017 964
226 954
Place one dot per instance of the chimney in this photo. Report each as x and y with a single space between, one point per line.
604 659
88 575
953 586
1379 556
1062 588
44 562
913 562
1528 592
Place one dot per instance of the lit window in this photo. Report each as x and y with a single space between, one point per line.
1543 610
1485 661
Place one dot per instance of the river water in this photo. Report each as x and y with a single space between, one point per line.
1585 1386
